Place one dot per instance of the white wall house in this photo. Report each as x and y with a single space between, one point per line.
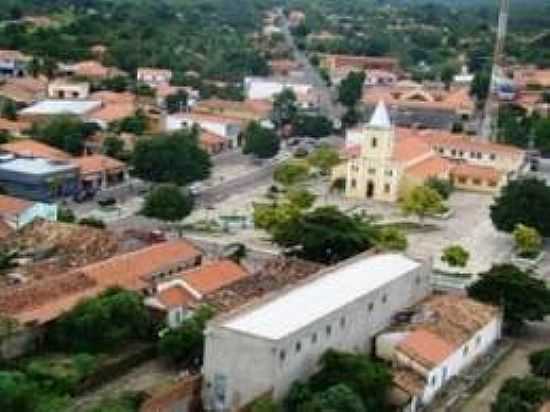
219 125
153 77
263 88
452 333
265 348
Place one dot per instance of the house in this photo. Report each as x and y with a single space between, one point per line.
90 69
229 128
339 66
213 143
282 336
177 298
16 212
385 162
266 88
24 90
165 90
380 78
154 77
445 335
13 63
427 98
98 172
32 148
247 110
114 107
63 89
284 67
48 108
532 78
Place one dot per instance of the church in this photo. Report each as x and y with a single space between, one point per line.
382 162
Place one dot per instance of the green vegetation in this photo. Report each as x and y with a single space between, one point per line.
168 202
444 187
523 201
521 395
113 147
455 256
528 241
260 141
291 173
114 318
185 343
188 162
522 296
540 363
285 109
92 222
346 382
422 201
324 158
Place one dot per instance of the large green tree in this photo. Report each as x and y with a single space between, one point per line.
422 201
168 202
324 235
540 363
350 89
260 141
523 297
175 158
291 173
523 201
521 395
285 109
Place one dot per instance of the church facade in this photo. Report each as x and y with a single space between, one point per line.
383 161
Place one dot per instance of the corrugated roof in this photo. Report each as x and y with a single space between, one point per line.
307 303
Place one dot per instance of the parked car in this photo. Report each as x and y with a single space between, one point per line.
107 201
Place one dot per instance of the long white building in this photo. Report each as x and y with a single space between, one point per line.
264 348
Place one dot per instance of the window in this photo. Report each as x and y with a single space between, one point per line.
492 183
477 182
389 173
353 183
417 280
473 155
453 152
342 322
466 350
282 355
478 340
298 346
441 150
462 179
329 330
445 373
384 298
387 188
374 142
493 156
434 380
372 171
461 153
314 338
371 306
479 155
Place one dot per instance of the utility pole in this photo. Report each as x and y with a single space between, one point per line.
489 123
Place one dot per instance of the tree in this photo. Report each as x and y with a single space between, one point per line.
422 201
325 159
188 162
455 256
9 110
312 125
337 398
284 108
136 124
110 320
271 216
301 198
265 405
540 363
291 172
350 89
391 238
528 241
524 201
113 146
480 85
167 202
117 84
447 74
520 395
368 379
261 142
64 132
323 235
176 102
65 215
351 117
186 342
523 297
442 186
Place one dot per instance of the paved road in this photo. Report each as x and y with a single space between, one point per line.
326 103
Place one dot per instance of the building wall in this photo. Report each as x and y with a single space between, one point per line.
68 90
500 161
253 366
465 355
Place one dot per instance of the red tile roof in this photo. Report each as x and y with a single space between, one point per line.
430 167
98 163
426 347
410 148
12 205
213 276
477 172
33 148
175 296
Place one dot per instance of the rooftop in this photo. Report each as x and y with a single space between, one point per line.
381 117
33 148
10 205
57 107
37 166
213 276
97 163
336 287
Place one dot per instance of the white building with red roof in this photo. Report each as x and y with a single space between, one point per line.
385 161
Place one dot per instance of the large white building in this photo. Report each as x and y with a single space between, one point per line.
264 348
266 88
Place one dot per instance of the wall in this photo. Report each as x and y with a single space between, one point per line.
182 396
253 366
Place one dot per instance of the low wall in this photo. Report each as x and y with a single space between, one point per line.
182 396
